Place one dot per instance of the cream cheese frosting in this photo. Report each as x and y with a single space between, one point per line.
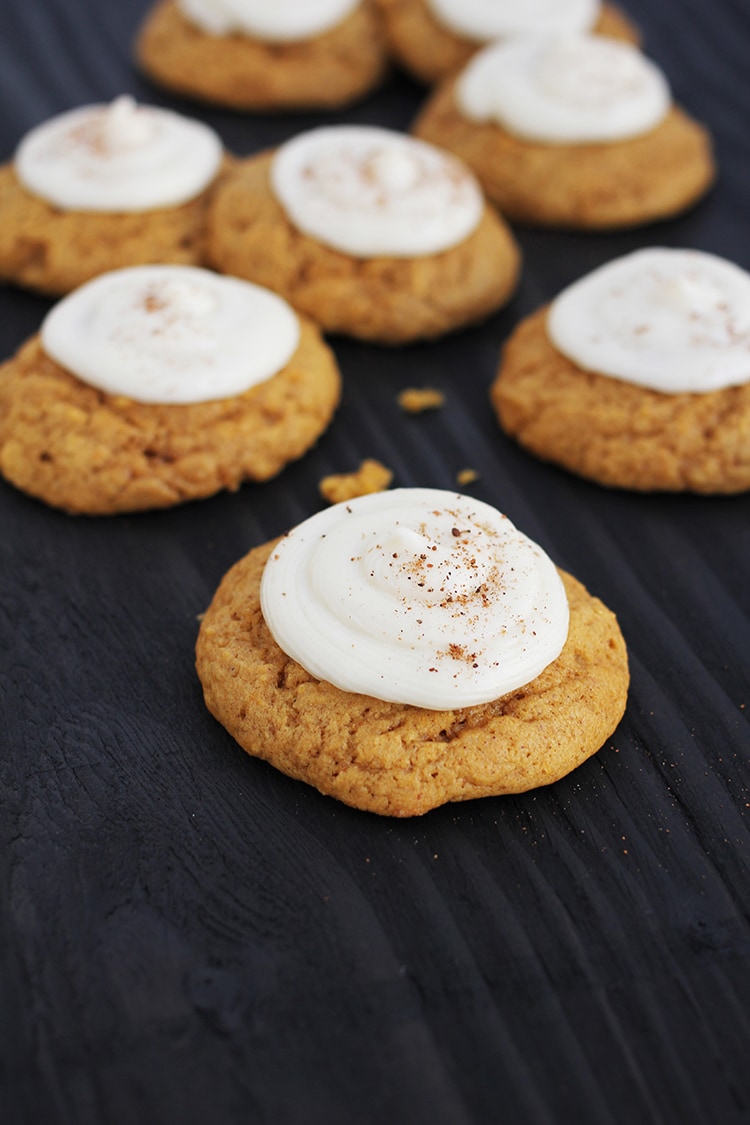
415 596
571 89
676 321
278 21
120 157
171 334
372 192
484 20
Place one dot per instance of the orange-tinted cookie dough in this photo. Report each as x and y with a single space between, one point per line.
46 248
415 400
371 476
617 433
586 186
432 52
326 72
399 760
387 300
88 452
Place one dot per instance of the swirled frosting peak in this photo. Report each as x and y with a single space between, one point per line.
370 192
570 89
119 157
270 20
676 321
171 334
415 596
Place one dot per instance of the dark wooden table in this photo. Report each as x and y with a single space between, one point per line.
188 936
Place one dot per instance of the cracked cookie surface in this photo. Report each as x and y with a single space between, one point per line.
617 433
88 452
399 760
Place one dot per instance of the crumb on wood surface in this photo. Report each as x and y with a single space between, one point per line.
371 476
416 399
467 476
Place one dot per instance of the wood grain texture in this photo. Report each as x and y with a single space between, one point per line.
188 936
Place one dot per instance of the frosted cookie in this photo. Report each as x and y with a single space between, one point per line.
159 384
367 231
638 376
411 648
577 131
103 187
432 39
256 55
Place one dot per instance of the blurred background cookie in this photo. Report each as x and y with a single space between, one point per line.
638 376
578 131
432 39
159 384
103 187
367 231
256 55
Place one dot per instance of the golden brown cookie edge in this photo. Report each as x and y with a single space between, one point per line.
382 300
615 433
619 184
330 71
399 760
91 453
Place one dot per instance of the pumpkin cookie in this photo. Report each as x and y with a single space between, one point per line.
103 187
260 56
578 132
152 386
638 377
433 40
366 231
411 588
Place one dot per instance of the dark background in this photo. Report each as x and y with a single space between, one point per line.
188 936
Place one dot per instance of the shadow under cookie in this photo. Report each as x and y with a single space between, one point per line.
400 760
616 433
89 452
386 300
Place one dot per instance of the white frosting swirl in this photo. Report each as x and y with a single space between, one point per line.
415 596
677 321
484 20
171 334
118 157
576 89
278 22
371 192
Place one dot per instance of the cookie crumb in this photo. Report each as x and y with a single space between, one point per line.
467 476
371 476
414 400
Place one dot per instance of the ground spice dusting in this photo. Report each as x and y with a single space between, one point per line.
91 135
153 303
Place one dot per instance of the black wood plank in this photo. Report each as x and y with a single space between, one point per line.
186 935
